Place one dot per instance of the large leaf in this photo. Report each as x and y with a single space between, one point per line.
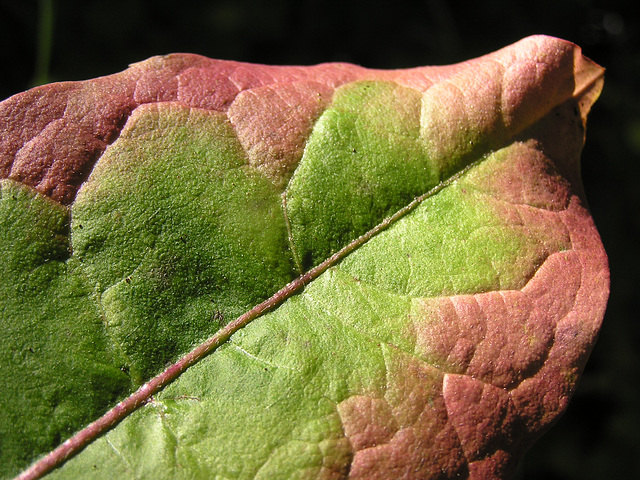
447 281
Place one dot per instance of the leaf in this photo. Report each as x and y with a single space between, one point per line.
432 282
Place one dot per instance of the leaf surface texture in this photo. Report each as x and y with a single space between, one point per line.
143 211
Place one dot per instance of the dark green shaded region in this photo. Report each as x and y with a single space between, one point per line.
58 371
363 162
178 234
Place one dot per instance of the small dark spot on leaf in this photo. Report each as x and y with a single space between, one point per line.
187 397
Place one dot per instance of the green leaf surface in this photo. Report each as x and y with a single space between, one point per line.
433 280
59 368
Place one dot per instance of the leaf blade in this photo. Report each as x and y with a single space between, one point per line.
525 133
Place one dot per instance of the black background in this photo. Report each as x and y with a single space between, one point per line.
599 436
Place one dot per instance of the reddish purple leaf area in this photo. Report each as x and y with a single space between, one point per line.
54 134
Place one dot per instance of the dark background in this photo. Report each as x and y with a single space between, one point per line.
599 436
